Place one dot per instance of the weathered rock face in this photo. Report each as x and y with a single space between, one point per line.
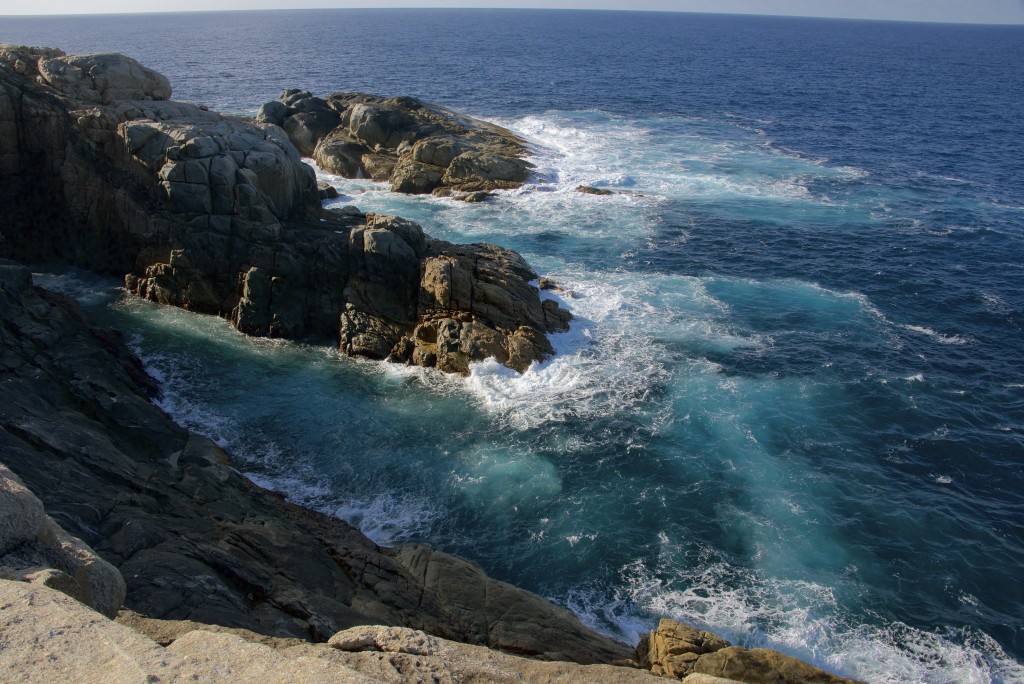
193 538
420 148
35 549
684 652
220 216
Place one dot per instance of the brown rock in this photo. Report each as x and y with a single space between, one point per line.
763 666
674 648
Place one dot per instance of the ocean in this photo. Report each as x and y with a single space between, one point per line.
791 405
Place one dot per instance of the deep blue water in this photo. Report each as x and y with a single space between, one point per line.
792 404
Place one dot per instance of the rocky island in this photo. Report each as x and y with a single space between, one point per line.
108 509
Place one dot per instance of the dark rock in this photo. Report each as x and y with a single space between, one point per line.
327 191
220 216
590 190
193 538
341 155
273 112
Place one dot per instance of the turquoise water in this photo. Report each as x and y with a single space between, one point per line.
791 405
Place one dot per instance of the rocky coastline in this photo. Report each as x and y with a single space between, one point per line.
108 509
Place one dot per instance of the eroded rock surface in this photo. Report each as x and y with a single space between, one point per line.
221 216
418 147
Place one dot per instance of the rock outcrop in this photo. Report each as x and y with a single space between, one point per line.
35 549
220 216
681 651
418 147
193 539
51 639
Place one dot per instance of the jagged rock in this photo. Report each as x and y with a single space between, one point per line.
379 167
219 215
389 639
417 147
674 648
590 190
684 652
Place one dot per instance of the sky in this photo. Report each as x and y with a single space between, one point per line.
971 11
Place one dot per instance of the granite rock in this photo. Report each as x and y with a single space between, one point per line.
220 215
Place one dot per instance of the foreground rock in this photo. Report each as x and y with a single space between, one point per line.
51 638
195 540
220 216
684 652
418 147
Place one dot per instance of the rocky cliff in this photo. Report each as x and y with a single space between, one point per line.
219 215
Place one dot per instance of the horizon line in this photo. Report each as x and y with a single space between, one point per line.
514 9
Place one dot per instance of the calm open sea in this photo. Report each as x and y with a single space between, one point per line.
791 407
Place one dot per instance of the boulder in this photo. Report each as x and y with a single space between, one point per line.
415 178
341 155
306 129
472 171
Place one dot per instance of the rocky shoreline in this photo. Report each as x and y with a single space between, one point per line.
105 500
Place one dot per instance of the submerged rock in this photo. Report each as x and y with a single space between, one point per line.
591 190
219 215
418 147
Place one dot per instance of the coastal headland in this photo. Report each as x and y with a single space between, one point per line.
111 510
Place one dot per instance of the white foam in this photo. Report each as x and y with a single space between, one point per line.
798 618
387 518
942 339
